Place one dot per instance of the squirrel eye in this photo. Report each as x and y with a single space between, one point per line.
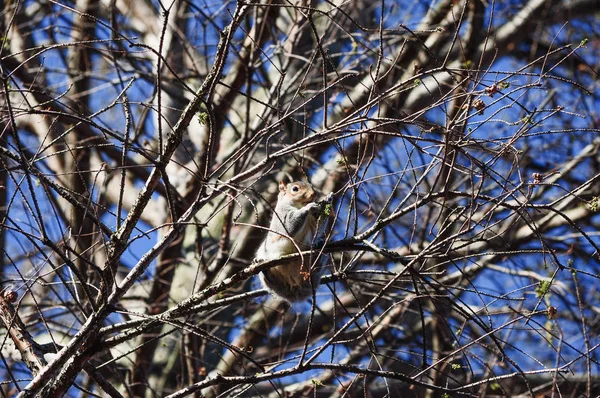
295 188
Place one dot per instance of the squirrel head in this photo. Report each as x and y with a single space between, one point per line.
297 193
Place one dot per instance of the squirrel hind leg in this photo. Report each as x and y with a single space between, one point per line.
292 293
277 288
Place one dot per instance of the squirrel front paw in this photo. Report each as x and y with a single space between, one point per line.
327 199
314 208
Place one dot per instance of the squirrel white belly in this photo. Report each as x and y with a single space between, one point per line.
294 227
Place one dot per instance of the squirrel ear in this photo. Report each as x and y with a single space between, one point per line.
282 186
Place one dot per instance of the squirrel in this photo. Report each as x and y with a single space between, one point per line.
295 225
